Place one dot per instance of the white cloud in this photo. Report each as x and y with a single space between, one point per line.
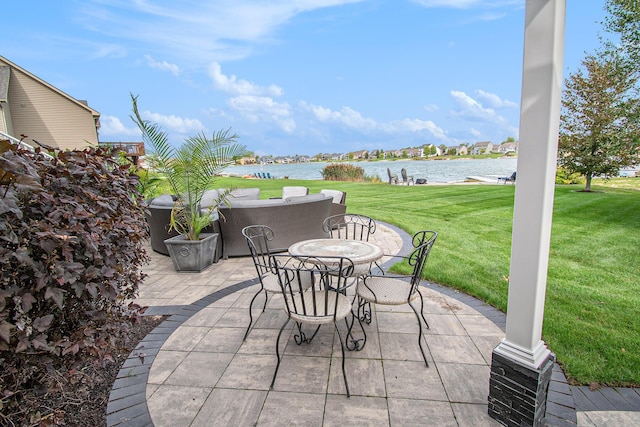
431 108
107 50
175 123
346 116
353 119
111 125
471 109
202 31
231 84
494 101
264 109
164 65
417 125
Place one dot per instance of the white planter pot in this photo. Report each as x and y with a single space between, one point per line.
192 255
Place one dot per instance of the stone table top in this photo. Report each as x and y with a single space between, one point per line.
359 252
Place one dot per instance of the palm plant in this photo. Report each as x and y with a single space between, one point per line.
190 170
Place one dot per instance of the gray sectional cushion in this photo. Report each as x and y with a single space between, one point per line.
336 194
294 191
243 203
163 200
209 198
307 198
245 193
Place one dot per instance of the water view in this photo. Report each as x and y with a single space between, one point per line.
435 171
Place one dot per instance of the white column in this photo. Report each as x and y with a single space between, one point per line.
539 123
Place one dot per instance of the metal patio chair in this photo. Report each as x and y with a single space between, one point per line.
349 226
258 238
389 289
323 303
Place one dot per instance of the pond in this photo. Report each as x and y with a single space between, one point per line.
435 171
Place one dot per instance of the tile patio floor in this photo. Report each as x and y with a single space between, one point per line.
195 369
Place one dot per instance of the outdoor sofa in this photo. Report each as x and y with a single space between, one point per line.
292 219
158 218
339 205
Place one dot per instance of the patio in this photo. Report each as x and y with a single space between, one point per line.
194 369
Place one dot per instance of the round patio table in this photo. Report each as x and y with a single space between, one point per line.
361 253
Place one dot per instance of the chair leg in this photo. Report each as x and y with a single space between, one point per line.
344 373
275 373
246 334
422 310
301 337
363 311
356 344
419 334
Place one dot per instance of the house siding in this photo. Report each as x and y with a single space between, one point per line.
3 122
48 116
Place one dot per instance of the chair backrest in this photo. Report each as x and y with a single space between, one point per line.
329 276
403 172
294 191
392 177
422 242
512 177
258 238
244 194
338 196
349 227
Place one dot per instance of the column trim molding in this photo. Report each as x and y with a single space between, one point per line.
529 358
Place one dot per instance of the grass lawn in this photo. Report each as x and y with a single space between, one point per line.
592 312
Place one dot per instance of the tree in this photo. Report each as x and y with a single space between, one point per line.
624 20
600 118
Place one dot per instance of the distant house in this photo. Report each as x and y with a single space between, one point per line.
31 107
462 150
361 154
414 152
508 147
482 148
247 160
132 150
429 148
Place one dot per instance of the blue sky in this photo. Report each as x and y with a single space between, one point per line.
292 77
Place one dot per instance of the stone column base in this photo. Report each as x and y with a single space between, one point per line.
518 393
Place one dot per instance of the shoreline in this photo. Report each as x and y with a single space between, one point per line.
440 171
490 179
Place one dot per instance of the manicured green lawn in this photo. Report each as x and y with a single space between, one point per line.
592 312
